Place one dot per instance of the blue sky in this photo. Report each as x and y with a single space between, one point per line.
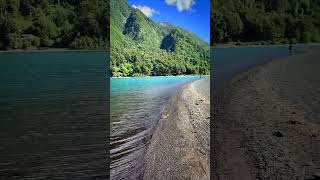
192 15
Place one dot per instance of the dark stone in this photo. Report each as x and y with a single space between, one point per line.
293 122
278 134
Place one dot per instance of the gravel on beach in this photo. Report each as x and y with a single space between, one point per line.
267 122
179 148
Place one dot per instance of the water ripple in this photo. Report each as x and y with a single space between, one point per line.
136 106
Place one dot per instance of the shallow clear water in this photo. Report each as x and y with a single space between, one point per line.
53 115
227 62
136 104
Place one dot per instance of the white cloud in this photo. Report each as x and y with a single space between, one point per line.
148 11
182 5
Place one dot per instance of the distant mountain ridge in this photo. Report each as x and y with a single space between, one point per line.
141 47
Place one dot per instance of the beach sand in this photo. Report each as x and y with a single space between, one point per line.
179 148
267 122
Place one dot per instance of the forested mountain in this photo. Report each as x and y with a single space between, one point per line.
141 47
268 21
53 23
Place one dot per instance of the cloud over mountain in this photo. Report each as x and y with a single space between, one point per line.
148 11
182 5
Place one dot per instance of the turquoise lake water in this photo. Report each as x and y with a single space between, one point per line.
53 115
135 108
136 103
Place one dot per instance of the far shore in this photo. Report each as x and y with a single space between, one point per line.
253 45
52 50
159 76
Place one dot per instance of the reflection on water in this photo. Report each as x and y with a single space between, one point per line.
136 104
52 115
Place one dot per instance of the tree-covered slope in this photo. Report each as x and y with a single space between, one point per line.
270 21
141 47
53 23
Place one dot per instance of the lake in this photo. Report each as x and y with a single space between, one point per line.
227 62
53 115
53 111
135 108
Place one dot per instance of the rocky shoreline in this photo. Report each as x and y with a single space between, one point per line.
180 146
266 122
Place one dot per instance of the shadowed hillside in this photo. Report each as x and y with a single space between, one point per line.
26 24
267 21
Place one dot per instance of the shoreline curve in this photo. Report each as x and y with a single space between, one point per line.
180 145
267 121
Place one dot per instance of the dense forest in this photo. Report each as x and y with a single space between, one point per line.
265 21
141 47
27 24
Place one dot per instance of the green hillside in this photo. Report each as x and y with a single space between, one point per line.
26 24
267 21
141 47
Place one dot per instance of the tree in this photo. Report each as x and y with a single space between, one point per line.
265 20
56 23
